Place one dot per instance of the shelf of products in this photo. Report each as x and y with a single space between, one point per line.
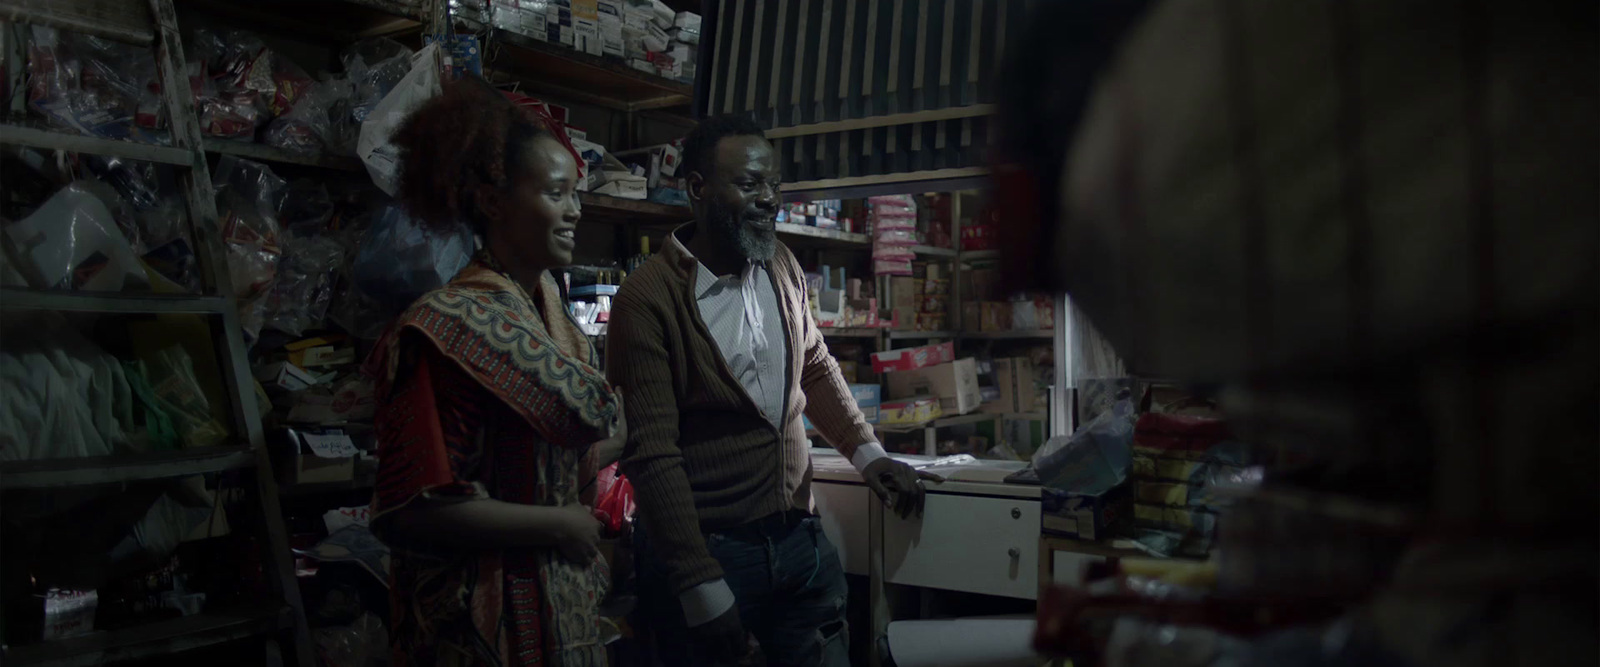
127 22
152 640
19 298
806 234
619 211
25 133
121 468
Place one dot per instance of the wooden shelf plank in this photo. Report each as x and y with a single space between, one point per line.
118 468
1010 335
910 335
18 298
585 78
267 153
818 236
161 638
619 211
932 251
975 255
18 134
128 22
850 332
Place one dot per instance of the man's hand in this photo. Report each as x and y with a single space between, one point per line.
722 638
899 485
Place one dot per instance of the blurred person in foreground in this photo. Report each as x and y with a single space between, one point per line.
716 348
492 415
1372 225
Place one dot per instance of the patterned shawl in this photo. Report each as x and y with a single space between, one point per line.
542 367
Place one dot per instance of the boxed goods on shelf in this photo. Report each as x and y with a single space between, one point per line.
954 383
869 399
311 455
908 359
910 410
1014 378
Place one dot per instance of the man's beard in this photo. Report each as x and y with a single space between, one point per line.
731 232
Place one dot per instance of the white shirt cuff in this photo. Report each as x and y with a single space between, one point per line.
866 453
706 602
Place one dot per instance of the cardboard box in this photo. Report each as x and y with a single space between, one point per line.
996 316
910 410
906 292
954 383
587 36
284 375
310 456
910 359
1013 377
869 399
1084 516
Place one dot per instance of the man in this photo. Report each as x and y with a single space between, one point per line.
714 345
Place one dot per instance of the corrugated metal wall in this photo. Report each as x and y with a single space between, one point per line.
789 63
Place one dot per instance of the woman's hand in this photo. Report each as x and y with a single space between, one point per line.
579 538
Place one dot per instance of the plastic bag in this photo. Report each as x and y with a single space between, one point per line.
306 208
374 67
236 70
420 84
248 198
171 375
309 126
93 86
400 259
72 241
303 286
1094 458
60 394
613 503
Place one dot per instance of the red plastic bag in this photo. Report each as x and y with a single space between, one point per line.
613 499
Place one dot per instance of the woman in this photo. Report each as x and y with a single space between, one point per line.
492 416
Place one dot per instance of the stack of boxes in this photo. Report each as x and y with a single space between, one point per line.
645 33
822 213
921 301
985 309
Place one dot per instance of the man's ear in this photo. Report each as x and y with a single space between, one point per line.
696 186
487 200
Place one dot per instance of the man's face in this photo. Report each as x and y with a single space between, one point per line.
740 197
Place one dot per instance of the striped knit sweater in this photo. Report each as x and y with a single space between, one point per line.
700 455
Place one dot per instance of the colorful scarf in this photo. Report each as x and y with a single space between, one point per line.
544 368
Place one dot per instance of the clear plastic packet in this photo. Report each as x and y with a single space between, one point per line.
303 286
309 126
307 207
72 241
92 86
248 198
172 378
290 84
236 72
374 67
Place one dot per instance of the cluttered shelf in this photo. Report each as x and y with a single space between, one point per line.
127 22
1008 335
84 471
616 210
33 134
850 332
150 640
564 71
19 298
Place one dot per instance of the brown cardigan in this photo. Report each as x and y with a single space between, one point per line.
700 455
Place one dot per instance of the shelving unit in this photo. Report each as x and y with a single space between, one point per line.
153 23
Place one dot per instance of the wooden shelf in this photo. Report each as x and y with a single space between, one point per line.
265 153
958 420
932 251
127 22
619 211
337 23
850 332
119 468
817 236
158 639
20 298
975 255
31 134
543 67
912 335
1010 335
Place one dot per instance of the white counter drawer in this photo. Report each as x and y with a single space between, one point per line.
843 508
966 543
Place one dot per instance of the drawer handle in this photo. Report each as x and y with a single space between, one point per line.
1015 553
1016 512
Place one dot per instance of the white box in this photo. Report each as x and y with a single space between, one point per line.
587 34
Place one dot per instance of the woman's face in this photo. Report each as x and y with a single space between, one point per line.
533 224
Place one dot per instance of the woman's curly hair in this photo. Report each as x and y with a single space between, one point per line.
466 137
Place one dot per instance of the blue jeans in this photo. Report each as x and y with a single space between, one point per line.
787 582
